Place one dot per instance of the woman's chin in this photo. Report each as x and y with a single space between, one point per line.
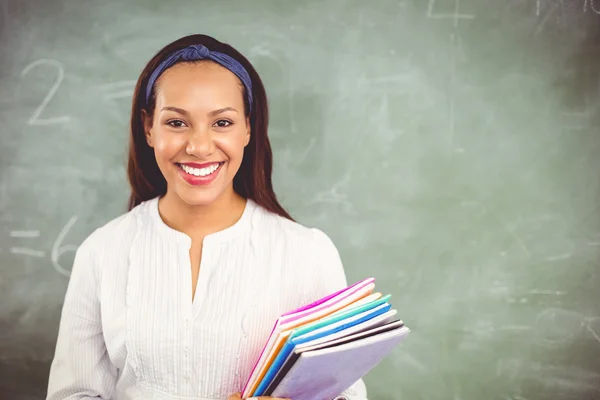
200 197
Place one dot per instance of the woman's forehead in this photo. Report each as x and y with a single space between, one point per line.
193 82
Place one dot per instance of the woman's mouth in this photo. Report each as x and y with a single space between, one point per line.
200 176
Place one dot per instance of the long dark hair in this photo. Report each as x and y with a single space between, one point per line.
253 179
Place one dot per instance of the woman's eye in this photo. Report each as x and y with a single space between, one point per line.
222 123
176 123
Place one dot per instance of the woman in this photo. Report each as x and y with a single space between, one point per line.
175 299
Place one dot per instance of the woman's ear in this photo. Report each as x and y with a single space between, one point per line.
147 121
247 131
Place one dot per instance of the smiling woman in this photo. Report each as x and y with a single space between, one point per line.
162 301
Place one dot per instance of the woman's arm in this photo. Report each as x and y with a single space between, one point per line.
330 277
81 368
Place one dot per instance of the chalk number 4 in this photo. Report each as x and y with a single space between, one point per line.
455 16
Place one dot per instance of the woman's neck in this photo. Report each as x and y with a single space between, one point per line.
199 221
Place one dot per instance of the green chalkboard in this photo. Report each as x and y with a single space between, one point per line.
450 148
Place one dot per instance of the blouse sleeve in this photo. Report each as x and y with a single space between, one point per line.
81 368
331 277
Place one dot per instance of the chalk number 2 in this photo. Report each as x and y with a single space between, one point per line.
35 118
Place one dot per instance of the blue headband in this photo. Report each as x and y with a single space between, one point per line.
197 52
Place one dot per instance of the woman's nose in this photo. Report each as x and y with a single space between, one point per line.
200 143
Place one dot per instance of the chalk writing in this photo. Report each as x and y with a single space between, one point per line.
385 80
35 118
24 234
593 6
456 16
403 73
27 252
514 328
24 250
526 233
542 23
509 368
559 257
306 152
294 157
558 327
333 196
517 238
527 240
547 292
454 41
118 90
592 329
58 249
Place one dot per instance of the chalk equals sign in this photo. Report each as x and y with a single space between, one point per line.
559 257
117 90
23 250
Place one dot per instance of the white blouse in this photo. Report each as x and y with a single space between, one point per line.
130 330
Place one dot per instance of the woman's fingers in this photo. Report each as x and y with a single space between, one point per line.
267 398
238 396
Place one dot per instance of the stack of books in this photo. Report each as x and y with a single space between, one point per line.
320 350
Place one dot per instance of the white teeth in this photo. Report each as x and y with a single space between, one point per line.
200 171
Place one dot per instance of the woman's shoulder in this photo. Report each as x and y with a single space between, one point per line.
118 231
283 228
318 269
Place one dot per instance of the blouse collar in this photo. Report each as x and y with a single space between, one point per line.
242 225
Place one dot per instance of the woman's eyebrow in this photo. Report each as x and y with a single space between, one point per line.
221 111
177 110
184 112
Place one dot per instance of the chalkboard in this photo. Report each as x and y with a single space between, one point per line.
449 148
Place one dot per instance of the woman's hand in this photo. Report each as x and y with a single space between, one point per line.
238 396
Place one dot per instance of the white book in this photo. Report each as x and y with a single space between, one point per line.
368 328
323 374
